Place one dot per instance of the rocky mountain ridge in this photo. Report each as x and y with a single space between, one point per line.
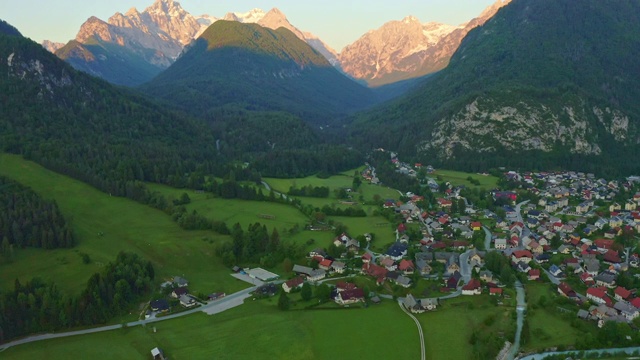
406 49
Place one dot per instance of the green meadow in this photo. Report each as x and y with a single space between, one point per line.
460 178
447 331
106 225
255 330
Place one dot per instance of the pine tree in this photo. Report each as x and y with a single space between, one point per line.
283 302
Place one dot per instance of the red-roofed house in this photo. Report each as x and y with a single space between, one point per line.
342 286
325 264
366 258
599 296
603 244
612 257
534 274
406 266
495 291
622 294
375 271
293 284
476 225
350 296
474 287
521 256
565 290
636 302
587 278
402 228
444 202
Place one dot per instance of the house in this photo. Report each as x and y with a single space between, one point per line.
187 301
495 291
606 278
177 292
180 282
473 287
521 256
397 251
406 266
453 280
587 279
350 296
500 244
622 294
612 257
523 267
344 286
598 296
476 258
629 312
366 258
302 270
160 305
388 263
325 264
319 252
338 267
565 290
317 275
604 245
400 280
157 354
565 249
452 264
486 276
534 274
556 271
292 284
592 266
378 272
476 225
413 305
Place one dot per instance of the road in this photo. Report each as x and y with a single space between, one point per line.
213 307
521 308
487 238
423 354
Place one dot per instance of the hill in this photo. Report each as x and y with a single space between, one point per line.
542 84
256 68
84 127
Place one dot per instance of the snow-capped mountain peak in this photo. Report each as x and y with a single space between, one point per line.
252 16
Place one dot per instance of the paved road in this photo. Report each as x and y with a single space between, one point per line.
520 309
423 354
213 307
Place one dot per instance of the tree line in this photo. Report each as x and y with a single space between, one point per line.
38 306
27 220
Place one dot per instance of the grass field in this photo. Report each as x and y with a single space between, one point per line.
548 328
255 330
460 178
370 224
447 330
126 225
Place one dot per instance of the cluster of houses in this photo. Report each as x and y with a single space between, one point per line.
179 291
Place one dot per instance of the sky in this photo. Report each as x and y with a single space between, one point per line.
337 22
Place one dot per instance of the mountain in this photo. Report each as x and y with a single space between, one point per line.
275 19
248 66
406 49
52 46
8 29
543 83
84 127
130 49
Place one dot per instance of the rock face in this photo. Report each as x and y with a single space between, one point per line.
52 46
542 83
406 49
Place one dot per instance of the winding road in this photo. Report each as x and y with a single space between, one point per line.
423 354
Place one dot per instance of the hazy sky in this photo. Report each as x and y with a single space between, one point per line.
337 22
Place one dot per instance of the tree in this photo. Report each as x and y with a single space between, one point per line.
283 302
287 265
323 292
306 293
